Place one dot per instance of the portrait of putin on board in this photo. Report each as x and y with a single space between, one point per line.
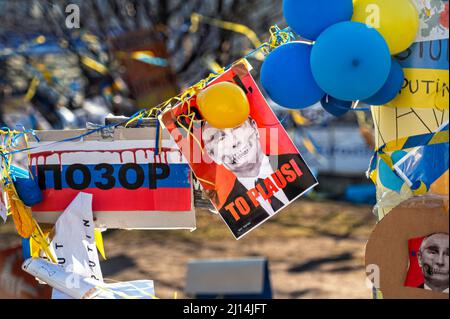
249 172
429 268
433 260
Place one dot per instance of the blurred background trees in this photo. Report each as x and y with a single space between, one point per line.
36 42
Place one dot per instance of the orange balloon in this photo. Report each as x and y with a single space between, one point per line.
224 105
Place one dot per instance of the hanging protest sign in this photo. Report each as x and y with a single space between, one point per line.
433 16
250 172
420 108
134 184
74 243
426 83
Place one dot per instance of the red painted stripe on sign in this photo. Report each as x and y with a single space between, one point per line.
119 199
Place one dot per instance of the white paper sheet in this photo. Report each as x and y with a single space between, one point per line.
139 289
79 287
74 243
66 283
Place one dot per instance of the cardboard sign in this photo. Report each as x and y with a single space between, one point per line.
132 185
387 252
426 82
251 172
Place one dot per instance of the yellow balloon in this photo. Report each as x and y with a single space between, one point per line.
224 105
396 20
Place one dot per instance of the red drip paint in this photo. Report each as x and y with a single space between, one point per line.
36 156
157 158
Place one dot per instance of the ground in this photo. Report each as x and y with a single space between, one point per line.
315 250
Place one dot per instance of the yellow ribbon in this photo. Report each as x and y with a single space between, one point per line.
298 118
99 242
25 224
196 19
32 89
39 237
94 65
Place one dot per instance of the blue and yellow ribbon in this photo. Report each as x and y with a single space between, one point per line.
404 144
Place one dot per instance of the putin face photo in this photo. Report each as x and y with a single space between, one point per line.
433 259
238 149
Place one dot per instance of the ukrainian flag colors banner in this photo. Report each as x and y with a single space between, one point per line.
420 109
392 126
426 82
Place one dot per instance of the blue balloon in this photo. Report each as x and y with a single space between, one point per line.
309 18
391 88
335 107
286 76
350 61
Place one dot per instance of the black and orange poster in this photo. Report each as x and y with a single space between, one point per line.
250 172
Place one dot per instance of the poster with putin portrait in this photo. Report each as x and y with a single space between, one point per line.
249 172
428 263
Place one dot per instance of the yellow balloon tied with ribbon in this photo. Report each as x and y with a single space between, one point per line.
224 105
396 20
